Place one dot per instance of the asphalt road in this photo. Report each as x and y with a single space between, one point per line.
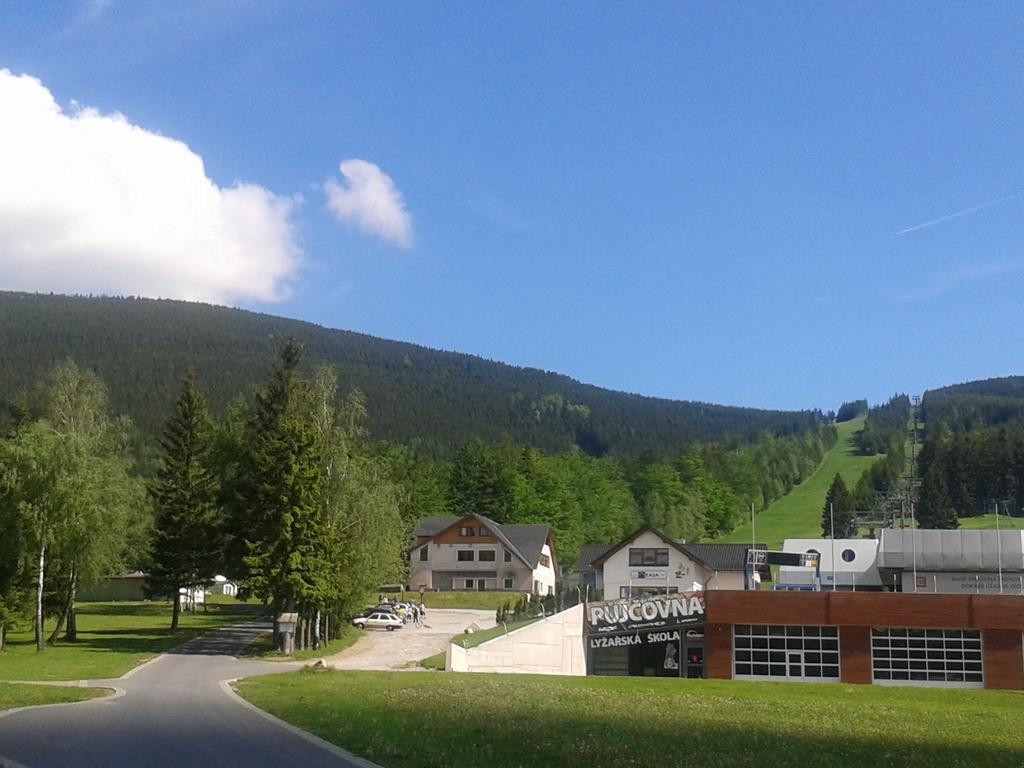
174 711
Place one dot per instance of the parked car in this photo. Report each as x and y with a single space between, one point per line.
378 620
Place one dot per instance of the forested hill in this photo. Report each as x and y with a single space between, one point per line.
965 407
437 400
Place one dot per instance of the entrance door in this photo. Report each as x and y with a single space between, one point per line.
796 664
479 585
694 660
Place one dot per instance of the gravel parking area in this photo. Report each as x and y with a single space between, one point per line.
381 649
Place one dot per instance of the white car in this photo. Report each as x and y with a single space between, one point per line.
380 620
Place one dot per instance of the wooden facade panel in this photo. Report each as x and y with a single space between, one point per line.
896 609
1003 653
762 607
451 536
718 651
855 654
999 611
867 609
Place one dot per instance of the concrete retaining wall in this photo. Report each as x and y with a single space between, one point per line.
552 646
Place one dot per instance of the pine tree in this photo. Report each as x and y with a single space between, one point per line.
934 509
279 496
838 511
187 543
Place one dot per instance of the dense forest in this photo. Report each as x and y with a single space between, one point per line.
965 407
431 400
972 460
701 493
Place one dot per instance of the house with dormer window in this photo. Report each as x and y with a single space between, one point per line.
475 553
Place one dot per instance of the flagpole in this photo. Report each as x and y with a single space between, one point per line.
913 542
999 549
832 525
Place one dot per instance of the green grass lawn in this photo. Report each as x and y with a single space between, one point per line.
988 523
488 601
797 515
416 720
13 695
112 638
263 648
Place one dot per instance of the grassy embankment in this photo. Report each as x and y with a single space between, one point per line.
473 640
263 647
14 695
112 638
415 720
797 515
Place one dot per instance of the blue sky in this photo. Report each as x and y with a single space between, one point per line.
718 202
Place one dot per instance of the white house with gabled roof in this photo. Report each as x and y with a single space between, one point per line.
473 552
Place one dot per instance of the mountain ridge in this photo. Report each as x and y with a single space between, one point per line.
438 399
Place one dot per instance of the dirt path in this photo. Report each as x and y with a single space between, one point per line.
380 649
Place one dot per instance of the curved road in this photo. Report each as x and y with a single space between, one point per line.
174 711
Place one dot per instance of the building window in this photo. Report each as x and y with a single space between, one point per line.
486 556
848 555
785 653
510 583
484 531
423 555
508 556
466 531
465 555
469 584
545 561
648 556
942 657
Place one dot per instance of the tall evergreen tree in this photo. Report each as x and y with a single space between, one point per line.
279 496
934 509
187 544
838 511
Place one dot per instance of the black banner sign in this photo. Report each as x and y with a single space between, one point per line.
644 613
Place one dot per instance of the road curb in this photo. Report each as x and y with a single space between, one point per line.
117 694
6 762
334 749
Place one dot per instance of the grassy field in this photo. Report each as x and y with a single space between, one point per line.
797 515
13 695
416 720
112 638
487 601
988 523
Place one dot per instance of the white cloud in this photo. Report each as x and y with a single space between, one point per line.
371 202
90 203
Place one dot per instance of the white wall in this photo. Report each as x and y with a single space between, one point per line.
861 571
552 646
545 574
618 573
964 583
444 557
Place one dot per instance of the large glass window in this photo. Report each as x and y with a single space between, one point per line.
465 555
486 556
785 653
648 556
947 657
